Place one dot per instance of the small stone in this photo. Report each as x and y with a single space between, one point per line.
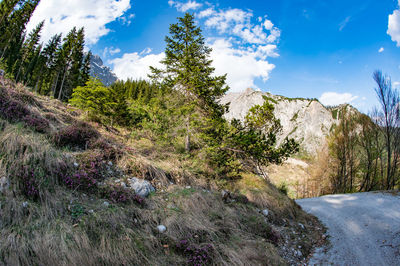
110 163
188 187
91 211
265 212
4 185
161 228
106 204
76 165
301 225
25 204
141 187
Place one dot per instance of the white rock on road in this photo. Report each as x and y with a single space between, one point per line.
364 228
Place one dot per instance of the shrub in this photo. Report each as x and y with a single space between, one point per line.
109 150
283 188
89 173
118 194
197 255
80 180
30 184
37 123
25 97
12 110
77 135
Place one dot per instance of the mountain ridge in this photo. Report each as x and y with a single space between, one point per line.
99 70
306 120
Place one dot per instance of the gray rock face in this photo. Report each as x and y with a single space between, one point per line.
307 121
104 73
141 187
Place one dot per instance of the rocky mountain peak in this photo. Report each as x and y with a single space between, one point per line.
305 120
99 70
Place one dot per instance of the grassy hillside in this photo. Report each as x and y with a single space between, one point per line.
63 201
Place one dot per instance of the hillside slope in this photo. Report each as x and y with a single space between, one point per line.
69 194
305 120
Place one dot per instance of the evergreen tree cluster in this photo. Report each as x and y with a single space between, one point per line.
54 68
180 109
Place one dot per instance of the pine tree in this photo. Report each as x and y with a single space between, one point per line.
46 66
188 69
85 71
28 51
16 26
64 64
94 98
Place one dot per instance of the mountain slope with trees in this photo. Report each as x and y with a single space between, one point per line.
137 172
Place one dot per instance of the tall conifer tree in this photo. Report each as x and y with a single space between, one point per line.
188 69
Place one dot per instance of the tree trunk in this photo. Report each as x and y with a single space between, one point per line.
187 141
62 84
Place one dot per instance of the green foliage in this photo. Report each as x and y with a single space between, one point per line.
77 211
94 98
188 70
283 188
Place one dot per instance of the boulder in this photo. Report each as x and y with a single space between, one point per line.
141 187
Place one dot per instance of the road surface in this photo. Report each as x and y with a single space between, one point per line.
363 228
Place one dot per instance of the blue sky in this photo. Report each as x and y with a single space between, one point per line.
297 48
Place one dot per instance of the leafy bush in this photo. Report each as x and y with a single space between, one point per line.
77 211
77 135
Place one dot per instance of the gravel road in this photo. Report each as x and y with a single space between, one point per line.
363 228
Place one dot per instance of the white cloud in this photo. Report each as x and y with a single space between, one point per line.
94 15
396 84
238 23
268 24
126 20
381 50
242 66
241 48
183 7
344 23
394 26
206 13
136 65
110 51
334 98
